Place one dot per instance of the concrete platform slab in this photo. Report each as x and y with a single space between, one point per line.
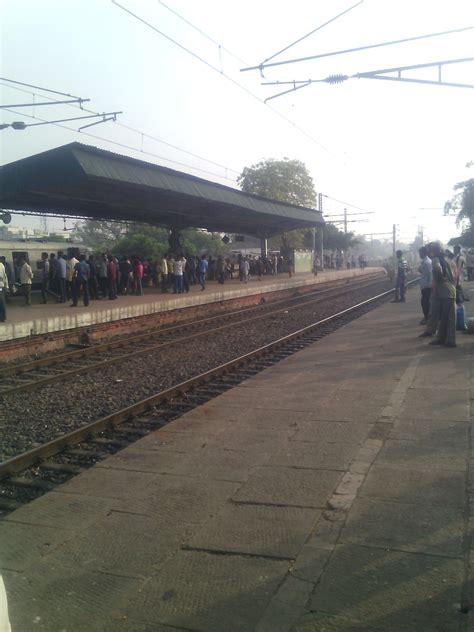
77 600
386 590
317 456
275 532
230 596
176 500
398 483
313 431
413 527
63 511
419 455
288 486
432 431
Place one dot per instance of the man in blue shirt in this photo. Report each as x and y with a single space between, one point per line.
203 266
81 281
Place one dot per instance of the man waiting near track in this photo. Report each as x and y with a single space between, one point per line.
44 278
81 281
3 290
179 266
26 278
401 281
443 307
61 276
203 266
426 280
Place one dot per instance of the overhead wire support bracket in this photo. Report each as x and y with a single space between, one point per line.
20 125
25 105
382 74
264 65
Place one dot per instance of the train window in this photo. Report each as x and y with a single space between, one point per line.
17 255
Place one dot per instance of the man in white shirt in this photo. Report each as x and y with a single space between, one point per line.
26 279
3 289
179 266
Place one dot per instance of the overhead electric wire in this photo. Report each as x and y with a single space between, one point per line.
123 145
354 50
143 134
346 203
223 74
196 28
311 32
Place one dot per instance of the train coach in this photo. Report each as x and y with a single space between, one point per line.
13 251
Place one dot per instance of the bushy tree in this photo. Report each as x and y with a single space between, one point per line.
462 203
286 181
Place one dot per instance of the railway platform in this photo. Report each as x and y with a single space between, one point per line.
329 493
39 320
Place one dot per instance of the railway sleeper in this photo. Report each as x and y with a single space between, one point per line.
114 443
31 483
96 454
66 468
131 430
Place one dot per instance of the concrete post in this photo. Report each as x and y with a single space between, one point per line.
264 246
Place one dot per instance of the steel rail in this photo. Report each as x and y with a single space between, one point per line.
29 458
161 345
159 331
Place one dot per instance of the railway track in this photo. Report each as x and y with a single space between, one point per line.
50 464
59 367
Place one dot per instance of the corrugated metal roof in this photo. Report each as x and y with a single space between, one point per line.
81 180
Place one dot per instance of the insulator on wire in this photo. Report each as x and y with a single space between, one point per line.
336 79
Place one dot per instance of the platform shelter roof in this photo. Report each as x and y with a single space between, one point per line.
84 181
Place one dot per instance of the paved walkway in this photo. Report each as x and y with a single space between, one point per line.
329 493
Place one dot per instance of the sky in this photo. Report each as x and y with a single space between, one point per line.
389 148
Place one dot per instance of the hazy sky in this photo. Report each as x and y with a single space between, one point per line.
384 146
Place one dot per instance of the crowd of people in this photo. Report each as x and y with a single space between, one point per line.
441 275
64 278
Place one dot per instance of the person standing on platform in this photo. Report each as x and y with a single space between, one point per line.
401 280
316 265
103 276
10 279
70 265
26 278
61 277
162 269
460 263
426 280
245 269
93 288
3 291
179 265
444 309
220 269
138 276
203 266
44 278
111 278
81 281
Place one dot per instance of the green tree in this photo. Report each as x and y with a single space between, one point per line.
101 236
144 240
286 181
462 203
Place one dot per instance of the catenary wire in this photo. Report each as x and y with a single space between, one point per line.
114 142
223 74
132 129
